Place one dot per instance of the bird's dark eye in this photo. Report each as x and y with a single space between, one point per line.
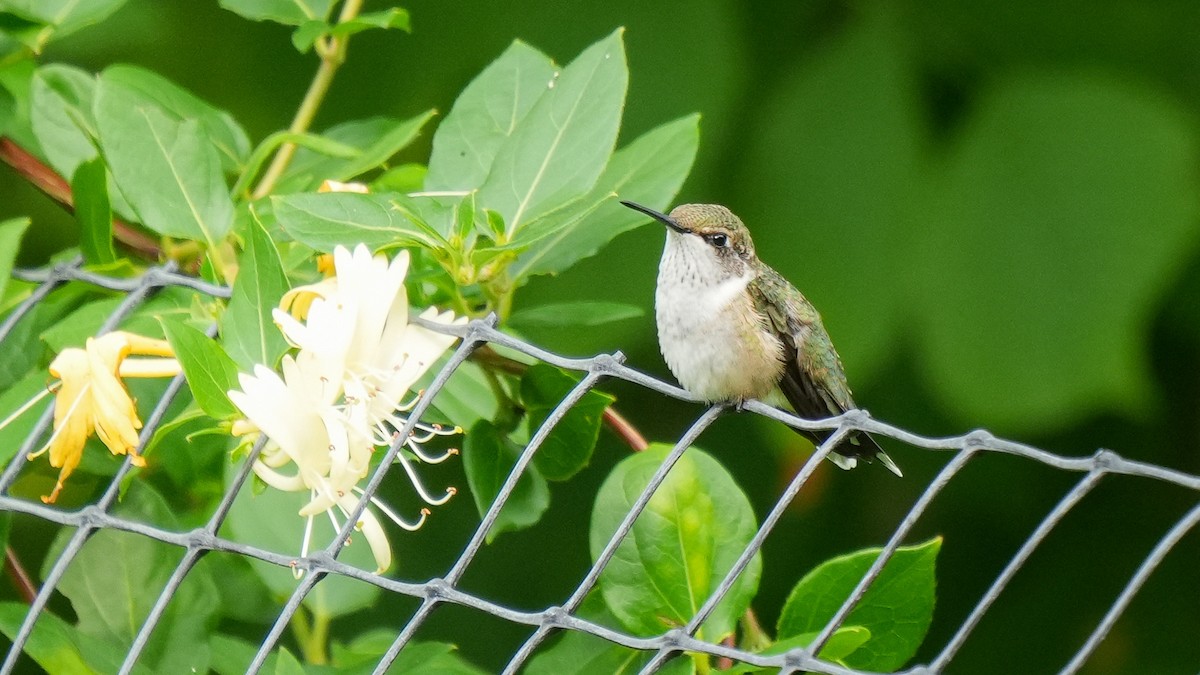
719 240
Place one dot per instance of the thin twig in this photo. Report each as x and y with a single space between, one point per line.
57 188
18 576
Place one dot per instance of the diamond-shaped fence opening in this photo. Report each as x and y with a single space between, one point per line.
446 589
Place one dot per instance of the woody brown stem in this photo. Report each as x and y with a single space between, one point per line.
19 577
57 188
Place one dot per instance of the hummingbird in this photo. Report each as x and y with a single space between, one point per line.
732 329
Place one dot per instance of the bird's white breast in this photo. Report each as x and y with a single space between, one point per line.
709 331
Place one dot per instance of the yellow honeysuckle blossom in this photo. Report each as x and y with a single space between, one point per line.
90 397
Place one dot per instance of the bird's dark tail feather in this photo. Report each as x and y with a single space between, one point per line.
861 445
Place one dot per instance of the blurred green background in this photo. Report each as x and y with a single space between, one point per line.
994 205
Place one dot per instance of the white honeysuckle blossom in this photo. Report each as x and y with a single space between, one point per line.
341 395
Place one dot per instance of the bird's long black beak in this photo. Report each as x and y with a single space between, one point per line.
661 217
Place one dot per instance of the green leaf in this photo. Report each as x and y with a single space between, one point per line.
139 87
393 141
209 370
59 647
61 17
1044 207
11 231
83 322
394 17
568 448
563 143
648 171
488 458
93 212
897 609
290 12
311 166
842 643
271 520
307 34
362 654
695 527
485 116
467 396
61 100
248 332
287 663
116 578
582 313
167 169
8 110
323 221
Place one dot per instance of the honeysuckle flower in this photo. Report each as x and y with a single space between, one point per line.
90 398
341 395
357 322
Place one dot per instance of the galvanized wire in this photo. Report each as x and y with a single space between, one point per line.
444 590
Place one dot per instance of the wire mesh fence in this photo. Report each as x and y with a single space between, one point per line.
445 589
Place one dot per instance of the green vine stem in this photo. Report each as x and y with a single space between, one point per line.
332 54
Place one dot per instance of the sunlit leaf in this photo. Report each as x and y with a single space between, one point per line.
648 171
139 87
167 169
560 147
897 609
61 100
379 152
323 221
696 525
209 370
485 116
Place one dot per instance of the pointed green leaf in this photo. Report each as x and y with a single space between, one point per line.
209 370
485 115
568 448
167 169
563 143
139 87
93 212
248 332
649 171
897 609
11 231
696 525
322 221
393 141
290 12
488 458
